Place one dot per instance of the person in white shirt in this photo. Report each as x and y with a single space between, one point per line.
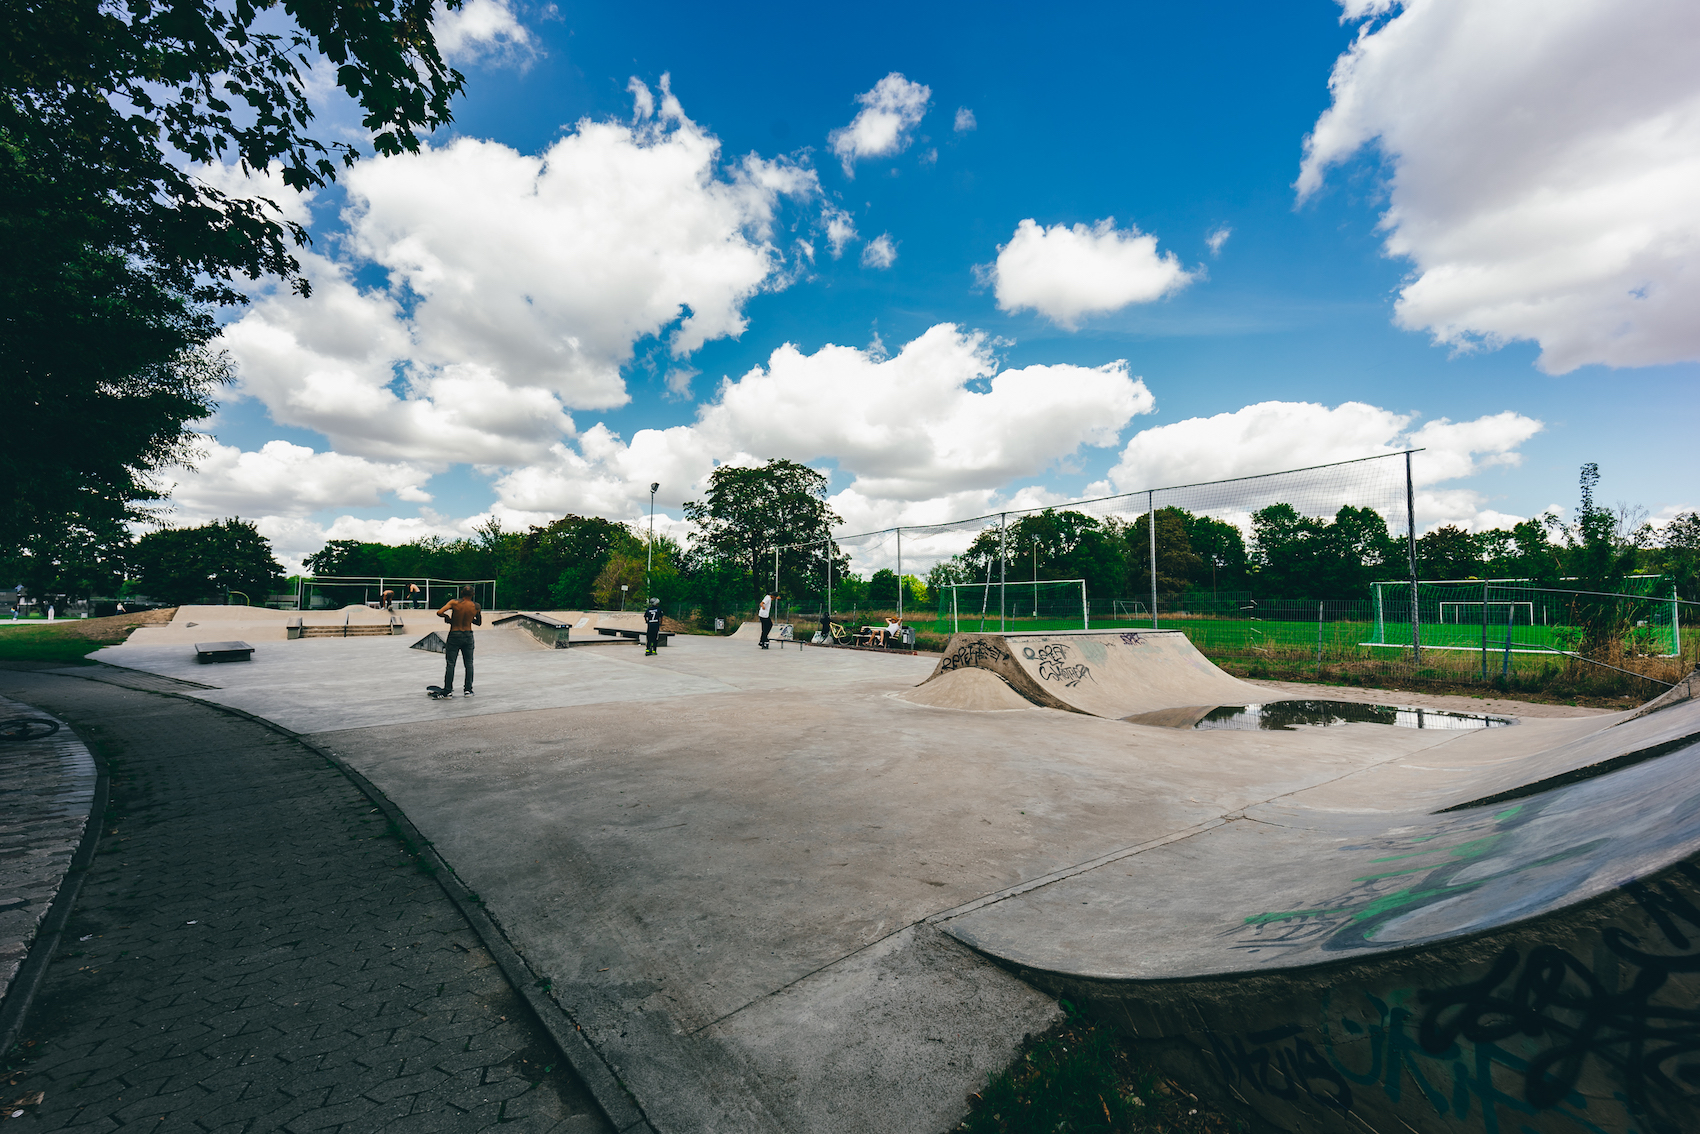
765 613
893 629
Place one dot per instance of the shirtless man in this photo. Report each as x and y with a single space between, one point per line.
462 615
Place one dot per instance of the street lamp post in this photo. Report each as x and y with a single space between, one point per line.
649 565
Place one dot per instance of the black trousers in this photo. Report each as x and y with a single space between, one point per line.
654 633
459 643
766 625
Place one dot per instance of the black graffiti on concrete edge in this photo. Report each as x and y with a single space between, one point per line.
1283 1069
1586 1013
972 655
1131 639
1053 664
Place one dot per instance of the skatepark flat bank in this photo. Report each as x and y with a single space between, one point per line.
780 890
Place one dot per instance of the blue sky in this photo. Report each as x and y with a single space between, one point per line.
1184 121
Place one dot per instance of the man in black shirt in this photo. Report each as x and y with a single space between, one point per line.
652 625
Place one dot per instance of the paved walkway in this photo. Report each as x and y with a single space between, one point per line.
254 949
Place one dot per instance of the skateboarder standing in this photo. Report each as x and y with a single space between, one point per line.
462 615
652 625
766 616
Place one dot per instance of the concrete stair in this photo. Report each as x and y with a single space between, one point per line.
358 631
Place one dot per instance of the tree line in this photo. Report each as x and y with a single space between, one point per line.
730 556
1293 556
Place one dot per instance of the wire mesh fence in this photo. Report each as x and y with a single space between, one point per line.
1507 633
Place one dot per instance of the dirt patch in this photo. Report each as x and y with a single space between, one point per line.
107 630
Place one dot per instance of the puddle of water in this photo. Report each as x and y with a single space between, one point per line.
1289 715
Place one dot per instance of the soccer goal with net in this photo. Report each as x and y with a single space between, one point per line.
1510 613
1043 604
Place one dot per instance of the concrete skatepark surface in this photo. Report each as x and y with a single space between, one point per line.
778 895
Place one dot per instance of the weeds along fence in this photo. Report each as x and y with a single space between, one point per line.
1406 632
1565 643
1360 641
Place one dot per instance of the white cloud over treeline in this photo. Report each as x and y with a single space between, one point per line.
1543 164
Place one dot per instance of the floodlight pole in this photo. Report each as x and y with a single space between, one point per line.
900 574
649 564
1411 546
1003 559
1151 531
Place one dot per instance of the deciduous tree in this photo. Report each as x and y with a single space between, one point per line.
748 511
204 564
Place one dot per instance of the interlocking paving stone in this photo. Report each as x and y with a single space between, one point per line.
262 953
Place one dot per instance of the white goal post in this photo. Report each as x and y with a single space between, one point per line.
1458 607
960 605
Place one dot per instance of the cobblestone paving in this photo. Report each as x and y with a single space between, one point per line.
254 950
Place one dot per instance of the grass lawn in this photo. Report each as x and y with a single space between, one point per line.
1083 1078
68 641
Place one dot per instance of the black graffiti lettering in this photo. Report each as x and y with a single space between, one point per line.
972 655
1130 639
1053 664
1665 904
1469 1009
1284 1070
1555 996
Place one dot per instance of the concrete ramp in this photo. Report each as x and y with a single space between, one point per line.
748 632
1405 947
1102 673
975 690
431 643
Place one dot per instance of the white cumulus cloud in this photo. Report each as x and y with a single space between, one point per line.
937 418
1544 164
840 230
483 30
880 253
1271 436
284 479
518 286
890 112
964 120
1066 274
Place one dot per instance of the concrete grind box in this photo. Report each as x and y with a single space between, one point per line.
1591 1024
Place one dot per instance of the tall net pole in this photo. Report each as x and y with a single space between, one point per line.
1151 530
900 574
1003 560
1411 546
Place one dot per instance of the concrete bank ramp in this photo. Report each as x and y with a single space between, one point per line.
976 690
261 624
1103 673
1415 945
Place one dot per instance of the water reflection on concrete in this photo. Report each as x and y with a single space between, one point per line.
1289 715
